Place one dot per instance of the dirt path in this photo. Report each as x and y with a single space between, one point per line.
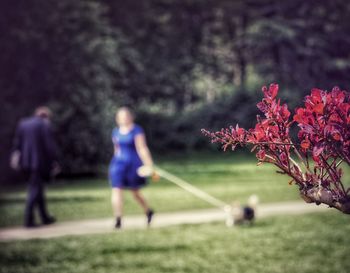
95 226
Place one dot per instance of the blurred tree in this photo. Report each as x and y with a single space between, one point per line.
300 43
171 60
66 55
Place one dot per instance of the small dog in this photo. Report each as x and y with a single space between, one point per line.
243 214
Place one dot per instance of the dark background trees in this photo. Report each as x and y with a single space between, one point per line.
182 65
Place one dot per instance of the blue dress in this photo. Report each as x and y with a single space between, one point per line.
124 164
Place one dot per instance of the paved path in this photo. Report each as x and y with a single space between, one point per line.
95 226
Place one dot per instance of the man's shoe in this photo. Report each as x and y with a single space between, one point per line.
31 225
49 221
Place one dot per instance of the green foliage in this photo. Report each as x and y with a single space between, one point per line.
181 132
67 48
192 60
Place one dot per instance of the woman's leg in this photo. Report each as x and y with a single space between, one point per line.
117 202
140 199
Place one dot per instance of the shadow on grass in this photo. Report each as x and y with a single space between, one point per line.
143 249
21 200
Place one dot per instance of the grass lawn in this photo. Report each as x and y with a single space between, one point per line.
305 244
227 176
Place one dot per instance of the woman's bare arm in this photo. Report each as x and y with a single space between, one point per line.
115 149
142 150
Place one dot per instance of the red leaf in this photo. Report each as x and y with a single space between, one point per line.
316 95
273 90
284 111
318 108
305 144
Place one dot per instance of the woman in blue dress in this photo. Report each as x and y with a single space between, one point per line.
130 153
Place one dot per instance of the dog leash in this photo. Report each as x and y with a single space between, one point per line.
198 192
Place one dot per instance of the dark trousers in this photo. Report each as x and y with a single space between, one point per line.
35 198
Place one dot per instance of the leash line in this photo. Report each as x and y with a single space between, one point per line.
192 189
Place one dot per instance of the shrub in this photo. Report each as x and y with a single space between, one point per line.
314 161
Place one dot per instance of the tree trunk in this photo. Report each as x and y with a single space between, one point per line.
323 196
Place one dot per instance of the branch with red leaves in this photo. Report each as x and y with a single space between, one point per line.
314 163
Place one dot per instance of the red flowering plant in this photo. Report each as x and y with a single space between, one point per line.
314 161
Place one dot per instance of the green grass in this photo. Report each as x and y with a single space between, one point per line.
314 243
227 176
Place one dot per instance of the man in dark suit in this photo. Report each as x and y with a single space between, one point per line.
35 153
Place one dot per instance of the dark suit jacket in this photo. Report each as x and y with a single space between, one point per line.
36 144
